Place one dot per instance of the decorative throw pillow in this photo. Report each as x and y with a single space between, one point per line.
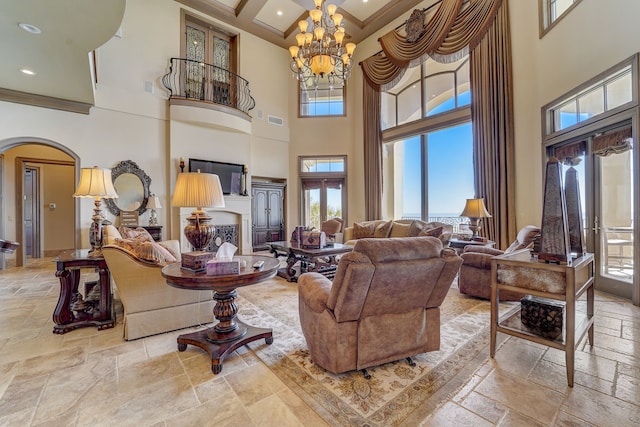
148 251
363 230
400 230
110 234
433 232
136 233
415 228
383 230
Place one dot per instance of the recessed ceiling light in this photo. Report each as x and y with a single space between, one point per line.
28 72
30 28
279 13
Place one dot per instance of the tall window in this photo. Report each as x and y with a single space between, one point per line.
425 91
551 11
325 100
610 91
323 189
428 168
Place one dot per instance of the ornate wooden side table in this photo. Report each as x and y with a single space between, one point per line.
229 332
73 310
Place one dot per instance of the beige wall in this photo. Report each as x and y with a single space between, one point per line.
595 36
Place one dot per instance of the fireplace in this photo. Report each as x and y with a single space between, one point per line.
232 223
224 233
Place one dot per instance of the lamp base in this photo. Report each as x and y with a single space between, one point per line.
199 232
475 226
153 217
95 233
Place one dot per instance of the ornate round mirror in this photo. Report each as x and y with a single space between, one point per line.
132 185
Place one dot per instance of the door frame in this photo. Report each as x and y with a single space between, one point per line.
632 117
9 143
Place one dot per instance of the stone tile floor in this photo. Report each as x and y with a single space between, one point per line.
59 380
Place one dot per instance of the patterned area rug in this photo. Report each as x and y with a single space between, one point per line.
396 393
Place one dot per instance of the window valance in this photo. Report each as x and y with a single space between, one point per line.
448 36
612 143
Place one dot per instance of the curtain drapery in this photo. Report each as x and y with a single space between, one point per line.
480 28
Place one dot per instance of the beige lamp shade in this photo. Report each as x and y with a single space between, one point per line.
154 203
95 182
195 189
475 208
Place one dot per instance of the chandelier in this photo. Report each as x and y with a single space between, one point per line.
320 51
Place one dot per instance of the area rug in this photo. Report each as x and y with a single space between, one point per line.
396 392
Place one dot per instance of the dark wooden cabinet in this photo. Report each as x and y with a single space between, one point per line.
267 205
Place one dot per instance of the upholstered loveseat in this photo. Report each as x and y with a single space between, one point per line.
397 228
150 305
382 306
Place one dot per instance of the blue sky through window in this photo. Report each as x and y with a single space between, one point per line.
450 168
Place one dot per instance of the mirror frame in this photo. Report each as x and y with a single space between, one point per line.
129 166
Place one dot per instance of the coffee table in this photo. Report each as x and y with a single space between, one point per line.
230 332
320 260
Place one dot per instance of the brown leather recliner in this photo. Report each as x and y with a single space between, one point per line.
382 306
475 273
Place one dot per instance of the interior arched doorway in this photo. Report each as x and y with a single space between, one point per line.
52 204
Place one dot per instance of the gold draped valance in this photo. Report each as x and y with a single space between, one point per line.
451 31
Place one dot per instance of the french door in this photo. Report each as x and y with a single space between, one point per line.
322 199
604 161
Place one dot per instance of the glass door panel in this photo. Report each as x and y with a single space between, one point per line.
322 199
615 207
311 203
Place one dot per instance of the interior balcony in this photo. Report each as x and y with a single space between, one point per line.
208 95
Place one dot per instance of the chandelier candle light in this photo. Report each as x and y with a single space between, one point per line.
96 183
195 189
475 210
320 52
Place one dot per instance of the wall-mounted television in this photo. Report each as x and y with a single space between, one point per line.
230 174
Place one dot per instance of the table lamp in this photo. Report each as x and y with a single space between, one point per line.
195 189
153 203
475 210
96 182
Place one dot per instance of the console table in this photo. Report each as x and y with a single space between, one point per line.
73 310
520 272
319 260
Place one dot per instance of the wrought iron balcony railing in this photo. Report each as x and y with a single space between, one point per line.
189 79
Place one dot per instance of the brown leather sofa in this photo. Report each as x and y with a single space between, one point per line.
382 306
475 273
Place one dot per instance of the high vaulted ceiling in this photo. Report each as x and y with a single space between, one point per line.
277 20
70 29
